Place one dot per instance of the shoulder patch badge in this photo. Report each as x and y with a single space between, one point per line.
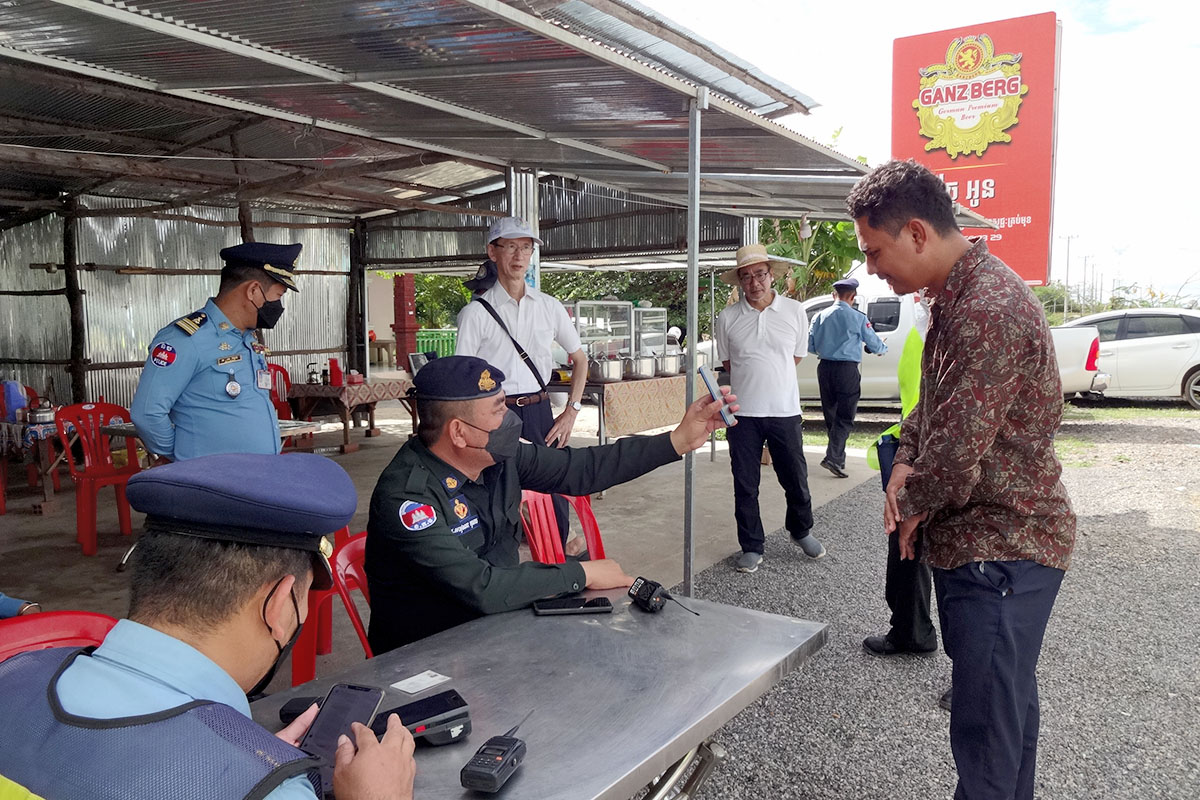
162 355
192 322
417 516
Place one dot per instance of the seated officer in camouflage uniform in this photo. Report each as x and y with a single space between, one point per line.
219 591
442 536
206 387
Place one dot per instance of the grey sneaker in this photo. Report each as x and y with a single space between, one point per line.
748 562
811 546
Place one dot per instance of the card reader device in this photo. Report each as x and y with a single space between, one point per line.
439 719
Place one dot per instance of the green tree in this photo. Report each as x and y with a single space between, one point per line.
439 299
828 250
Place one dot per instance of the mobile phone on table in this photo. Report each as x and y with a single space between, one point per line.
572 605
345 703
710 382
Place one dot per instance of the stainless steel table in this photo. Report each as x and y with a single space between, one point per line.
616 698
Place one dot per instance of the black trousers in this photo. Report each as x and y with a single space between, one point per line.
908 582
536 422
839 383
785 442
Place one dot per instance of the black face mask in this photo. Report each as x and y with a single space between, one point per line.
284 649
268 313
503 442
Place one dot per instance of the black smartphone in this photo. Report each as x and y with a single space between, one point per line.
572 605
345 703
420 715
714 391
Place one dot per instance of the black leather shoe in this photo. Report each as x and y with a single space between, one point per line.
946 699
836 470
883 646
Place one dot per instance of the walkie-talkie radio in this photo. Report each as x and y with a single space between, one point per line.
495 762
650 596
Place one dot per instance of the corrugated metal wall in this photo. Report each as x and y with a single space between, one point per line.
123 312
34 327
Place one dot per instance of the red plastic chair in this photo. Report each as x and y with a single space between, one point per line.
316 637
541 527
281 387
98 468
348 573
52 629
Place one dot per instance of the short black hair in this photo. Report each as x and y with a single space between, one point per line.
234 274
201 583
844 293
894 193
434 415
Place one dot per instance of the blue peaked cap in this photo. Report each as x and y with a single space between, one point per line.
457 378
290 501
277 260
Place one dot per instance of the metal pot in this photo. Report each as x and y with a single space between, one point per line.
604 371
668 364
42 412
639 367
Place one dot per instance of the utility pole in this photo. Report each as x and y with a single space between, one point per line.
1067 276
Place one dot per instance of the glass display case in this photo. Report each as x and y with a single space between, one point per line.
605 328
650 331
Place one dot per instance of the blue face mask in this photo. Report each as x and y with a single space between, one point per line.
502 442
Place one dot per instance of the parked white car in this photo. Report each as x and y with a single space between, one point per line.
1149 352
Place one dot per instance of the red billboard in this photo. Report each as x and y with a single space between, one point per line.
977 105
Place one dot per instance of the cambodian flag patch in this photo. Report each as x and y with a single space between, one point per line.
163 355
417 516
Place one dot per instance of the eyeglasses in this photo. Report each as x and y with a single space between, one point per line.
754 277
516 247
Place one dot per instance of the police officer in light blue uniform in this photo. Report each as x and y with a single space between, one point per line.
206 388
838 335
219 587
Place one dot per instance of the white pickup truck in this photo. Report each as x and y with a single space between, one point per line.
892 316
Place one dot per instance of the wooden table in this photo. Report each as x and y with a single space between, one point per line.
617 698
40 437
316 399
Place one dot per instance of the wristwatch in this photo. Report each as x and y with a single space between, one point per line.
578 406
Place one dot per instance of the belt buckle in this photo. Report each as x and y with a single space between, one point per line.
522 401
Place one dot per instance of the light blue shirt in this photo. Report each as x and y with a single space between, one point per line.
840 332
138 670
186 404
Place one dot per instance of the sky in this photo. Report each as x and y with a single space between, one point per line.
1126 176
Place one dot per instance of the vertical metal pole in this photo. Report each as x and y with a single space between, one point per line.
1067 281
712 332
695 106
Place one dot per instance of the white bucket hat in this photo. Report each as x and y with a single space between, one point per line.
754 254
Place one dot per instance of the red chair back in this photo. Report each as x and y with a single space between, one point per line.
87 419
348 573
541 528
281 387
52 629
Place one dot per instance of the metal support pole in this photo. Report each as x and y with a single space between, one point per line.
712 332
695 106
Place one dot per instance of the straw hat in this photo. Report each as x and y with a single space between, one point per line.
754 254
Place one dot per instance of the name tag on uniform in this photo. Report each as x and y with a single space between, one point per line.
264 379
228 359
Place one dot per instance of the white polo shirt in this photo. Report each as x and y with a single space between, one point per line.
761 347
535 322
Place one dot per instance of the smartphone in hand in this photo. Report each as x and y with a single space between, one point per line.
710 382
345 703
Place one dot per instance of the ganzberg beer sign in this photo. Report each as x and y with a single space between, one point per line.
977 106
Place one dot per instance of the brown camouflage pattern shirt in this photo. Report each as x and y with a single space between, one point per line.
981 438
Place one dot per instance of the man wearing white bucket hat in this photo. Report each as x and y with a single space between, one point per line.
760 339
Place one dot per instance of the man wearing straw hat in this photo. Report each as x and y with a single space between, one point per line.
761 338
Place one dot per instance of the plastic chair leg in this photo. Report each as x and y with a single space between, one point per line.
304 655
85 517
325 625
123 510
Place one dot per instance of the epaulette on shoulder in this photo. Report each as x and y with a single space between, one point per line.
192 322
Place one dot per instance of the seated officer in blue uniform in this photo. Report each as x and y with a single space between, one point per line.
218 594
206 388
442 535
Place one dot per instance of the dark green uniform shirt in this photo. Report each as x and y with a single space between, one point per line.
442 549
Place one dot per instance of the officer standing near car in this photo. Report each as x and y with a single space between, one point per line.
442 538
838 335
206 387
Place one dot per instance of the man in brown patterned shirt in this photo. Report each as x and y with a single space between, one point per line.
976 472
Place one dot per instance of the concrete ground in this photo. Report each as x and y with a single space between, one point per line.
641 523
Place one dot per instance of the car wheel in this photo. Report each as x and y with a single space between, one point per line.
1191 388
